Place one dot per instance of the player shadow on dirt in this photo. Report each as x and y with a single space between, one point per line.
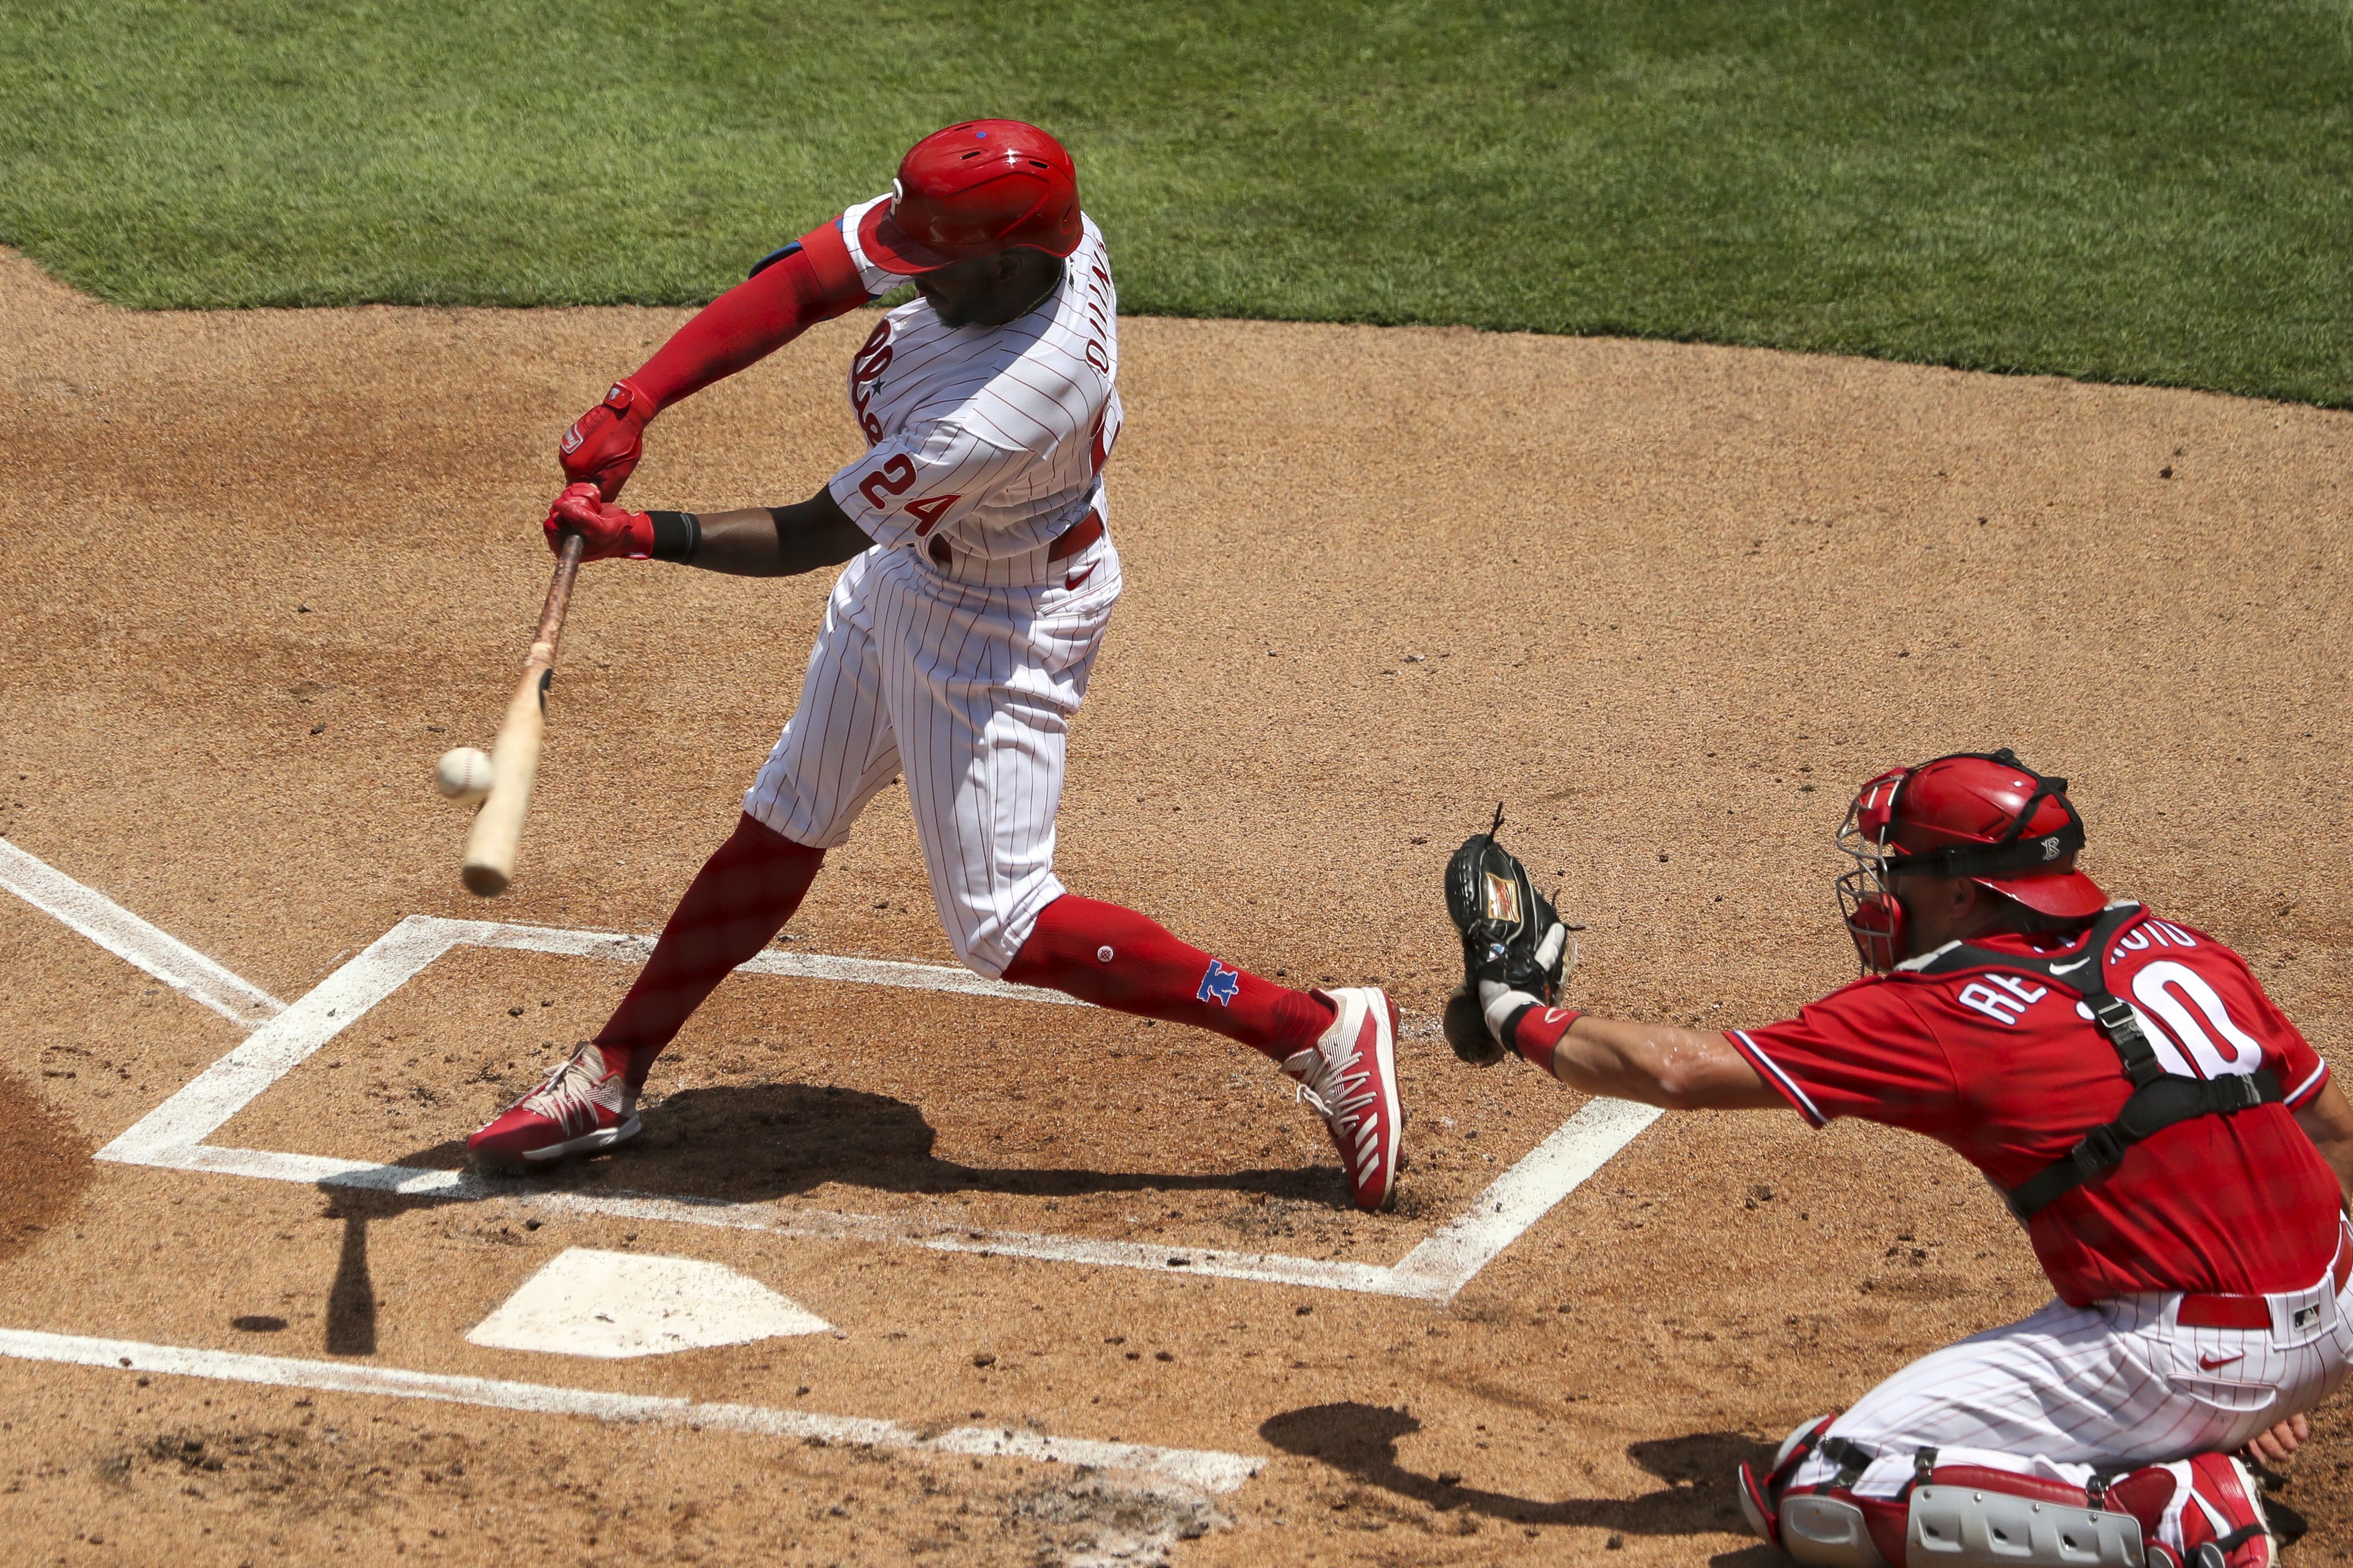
1360 1441
753 1142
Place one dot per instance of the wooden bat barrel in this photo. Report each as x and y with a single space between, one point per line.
496 836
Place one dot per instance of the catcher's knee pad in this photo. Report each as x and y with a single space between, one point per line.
1824 1530
1760 1496
1965 1516
1948 1516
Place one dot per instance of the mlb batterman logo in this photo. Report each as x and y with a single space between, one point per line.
1220 985
1503 899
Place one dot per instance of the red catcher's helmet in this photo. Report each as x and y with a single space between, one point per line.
1986 817
972 190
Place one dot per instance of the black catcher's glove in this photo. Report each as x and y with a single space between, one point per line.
1512 937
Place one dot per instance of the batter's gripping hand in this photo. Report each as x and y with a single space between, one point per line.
1513 941
608 531
603 445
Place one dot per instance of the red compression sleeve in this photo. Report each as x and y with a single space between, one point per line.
741 898
756 318
1116 958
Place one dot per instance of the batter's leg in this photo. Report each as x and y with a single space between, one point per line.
1340 1047
836 751
980 704
740 900
834 754
733 908
1118 959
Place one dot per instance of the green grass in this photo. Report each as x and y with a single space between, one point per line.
2145 191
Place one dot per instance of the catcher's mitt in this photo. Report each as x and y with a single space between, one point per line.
1511 935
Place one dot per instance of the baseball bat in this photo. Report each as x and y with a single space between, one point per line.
496 837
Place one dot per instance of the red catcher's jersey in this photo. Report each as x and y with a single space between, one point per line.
2008 1070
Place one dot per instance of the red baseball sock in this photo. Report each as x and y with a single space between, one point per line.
738 901
1116 958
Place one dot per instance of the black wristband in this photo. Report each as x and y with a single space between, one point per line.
677 534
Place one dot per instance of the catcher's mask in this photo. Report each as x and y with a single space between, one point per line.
1986 817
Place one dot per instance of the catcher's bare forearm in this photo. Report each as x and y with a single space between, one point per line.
1657 1064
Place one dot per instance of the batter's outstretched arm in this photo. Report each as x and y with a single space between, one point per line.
778 542
1656 1064
810 281
2328 1121
756 541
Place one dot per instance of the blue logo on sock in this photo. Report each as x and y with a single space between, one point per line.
1220 985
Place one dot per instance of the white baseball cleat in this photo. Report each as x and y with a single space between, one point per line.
582 1106
1350 1077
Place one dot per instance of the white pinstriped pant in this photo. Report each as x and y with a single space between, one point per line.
2072 1392
964 690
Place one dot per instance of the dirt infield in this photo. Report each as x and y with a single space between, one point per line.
1668 601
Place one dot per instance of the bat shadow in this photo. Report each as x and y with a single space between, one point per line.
352 1295
1360 1441
755 1142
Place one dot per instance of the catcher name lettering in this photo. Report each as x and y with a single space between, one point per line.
2160 933
2004 999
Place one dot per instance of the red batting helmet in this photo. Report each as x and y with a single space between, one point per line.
1988 817
972 190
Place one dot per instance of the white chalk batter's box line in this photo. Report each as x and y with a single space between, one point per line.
173 1136
1206 1468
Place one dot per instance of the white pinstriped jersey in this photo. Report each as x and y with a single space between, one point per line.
958 648
990 438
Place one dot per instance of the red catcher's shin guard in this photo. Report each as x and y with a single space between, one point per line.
2218 1523
1116 958
737 903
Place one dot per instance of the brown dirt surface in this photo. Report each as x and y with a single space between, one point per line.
46 1162
1669 602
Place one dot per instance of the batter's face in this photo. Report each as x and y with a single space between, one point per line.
990 290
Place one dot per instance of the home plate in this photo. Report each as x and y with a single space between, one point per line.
616 1304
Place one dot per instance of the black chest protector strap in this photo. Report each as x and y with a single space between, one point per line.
2159 1099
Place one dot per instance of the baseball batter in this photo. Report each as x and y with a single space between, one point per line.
2175 1149
956 643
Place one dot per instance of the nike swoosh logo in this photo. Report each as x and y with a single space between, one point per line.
2215 1363
1077 577
2069 968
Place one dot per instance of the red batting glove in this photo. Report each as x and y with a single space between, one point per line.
608 532
604 445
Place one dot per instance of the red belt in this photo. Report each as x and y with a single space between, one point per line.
2251 1312
1077 537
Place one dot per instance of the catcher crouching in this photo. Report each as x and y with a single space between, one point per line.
2175 1149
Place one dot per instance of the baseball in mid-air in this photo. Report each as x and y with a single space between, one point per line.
463 773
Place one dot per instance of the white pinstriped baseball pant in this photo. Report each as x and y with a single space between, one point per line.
2072 1392
966 692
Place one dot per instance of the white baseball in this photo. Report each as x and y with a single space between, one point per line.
463 774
